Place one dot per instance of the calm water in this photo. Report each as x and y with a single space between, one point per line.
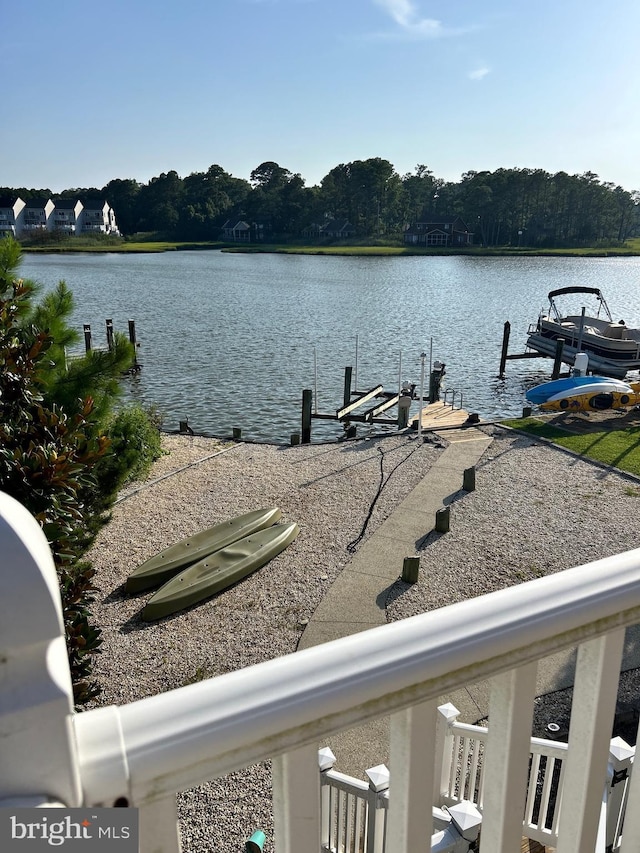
232 340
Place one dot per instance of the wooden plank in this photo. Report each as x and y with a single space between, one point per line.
439 414
531 846
381 407
368 395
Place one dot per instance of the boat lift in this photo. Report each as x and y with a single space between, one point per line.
349 415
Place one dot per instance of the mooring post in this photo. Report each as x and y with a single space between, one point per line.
442 520
557 362
505 348
307 396
410 568
132 332
109 324
347 385
87 337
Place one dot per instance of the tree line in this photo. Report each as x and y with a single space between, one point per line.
516 207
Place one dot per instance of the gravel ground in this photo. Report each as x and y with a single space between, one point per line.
328 490
527 518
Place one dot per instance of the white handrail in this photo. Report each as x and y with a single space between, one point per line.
176 740
147 751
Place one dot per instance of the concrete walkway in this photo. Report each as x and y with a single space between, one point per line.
356 601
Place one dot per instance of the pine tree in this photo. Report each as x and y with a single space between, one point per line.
53 437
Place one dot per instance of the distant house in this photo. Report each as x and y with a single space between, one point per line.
36 215
332 228
68 215
439 231
337 228
97 216
65 215
240 231
10 215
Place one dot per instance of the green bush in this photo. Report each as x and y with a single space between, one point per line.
134 445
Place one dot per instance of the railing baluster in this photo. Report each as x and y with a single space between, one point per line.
507 758
593 708
558 807
159 827
296 801
533 785
412 745
545 797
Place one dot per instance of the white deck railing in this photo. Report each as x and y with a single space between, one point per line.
144 752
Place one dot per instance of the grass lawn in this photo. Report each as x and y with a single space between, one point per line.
620 448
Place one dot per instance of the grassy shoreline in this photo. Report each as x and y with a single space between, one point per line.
632 249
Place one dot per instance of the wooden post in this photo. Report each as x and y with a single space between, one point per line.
237 433
469 479
442 520
87 337
306 415
347 386
132 332
295 438
526 412
109 324
557 362
505 347
410 568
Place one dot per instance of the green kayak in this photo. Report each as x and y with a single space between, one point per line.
220 570
159 569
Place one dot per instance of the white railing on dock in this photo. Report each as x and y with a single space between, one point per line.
144 752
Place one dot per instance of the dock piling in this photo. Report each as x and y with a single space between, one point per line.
109 325
87 337
307 396
505 348
557 362
346 397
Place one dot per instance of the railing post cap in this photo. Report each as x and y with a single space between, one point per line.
326 758
620 751
467 819
378 777
448 711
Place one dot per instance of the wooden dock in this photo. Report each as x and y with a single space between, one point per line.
435 415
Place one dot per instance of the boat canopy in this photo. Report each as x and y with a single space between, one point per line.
563 290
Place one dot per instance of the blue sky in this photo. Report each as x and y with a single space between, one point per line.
132 89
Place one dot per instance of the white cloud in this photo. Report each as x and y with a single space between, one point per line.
406 14
479 73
